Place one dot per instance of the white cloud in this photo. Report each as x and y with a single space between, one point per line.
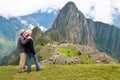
102 9
24 22
43 28
31 26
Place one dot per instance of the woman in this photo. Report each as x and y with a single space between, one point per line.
29 49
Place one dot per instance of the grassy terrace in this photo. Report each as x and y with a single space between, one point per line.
74 53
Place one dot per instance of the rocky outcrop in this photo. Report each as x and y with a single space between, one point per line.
94 55
102 58
91 54
58 58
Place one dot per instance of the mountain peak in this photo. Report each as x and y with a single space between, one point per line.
71 6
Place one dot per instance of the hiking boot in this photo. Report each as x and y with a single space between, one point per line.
20 71
24 68
39 70
28 71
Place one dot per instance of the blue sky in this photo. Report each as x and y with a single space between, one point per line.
98 10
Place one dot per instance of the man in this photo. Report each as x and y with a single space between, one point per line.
20 49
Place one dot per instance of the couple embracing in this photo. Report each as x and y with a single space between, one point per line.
25 46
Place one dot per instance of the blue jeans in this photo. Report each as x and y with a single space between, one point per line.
29 56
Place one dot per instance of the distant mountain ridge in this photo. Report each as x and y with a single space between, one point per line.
9 28
71 26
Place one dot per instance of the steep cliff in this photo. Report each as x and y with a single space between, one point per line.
71 26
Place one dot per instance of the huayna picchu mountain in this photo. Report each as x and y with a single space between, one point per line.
73 27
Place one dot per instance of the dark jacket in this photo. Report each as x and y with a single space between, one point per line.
29 47
20 44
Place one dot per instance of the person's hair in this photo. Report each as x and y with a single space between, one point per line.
21 34
27 35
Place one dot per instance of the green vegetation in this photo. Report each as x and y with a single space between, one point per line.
64 72
7 48
43 52
39 37
86 59
55 36
74 53
69 51
43 40
36 34
40 41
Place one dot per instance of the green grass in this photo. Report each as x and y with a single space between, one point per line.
73 52
69 51
85 59
43 52
64 72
